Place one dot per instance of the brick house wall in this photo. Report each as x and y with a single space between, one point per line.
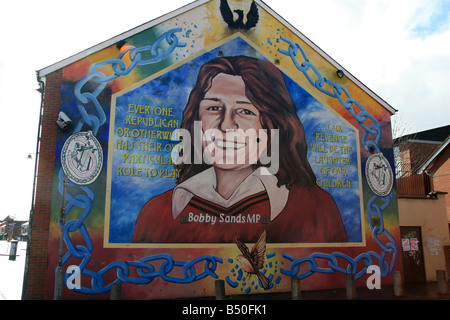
441 177
35 277
413 154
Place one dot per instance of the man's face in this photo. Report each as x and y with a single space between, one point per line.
231 124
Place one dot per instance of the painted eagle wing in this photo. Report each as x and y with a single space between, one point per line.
258 251
252 16
226 12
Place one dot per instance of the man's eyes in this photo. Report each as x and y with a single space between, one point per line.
246 112
214 108
241 111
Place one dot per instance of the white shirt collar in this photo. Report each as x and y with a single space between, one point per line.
204 185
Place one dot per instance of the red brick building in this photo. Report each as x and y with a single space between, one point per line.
438 166
37 250
423 192
416 148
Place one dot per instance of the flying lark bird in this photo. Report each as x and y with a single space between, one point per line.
252 261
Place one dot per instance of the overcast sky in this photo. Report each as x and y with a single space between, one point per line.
400 49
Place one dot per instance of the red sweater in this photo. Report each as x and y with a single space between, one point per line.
310 216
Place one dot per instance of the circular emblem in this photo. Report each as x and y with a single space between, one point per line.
379 175
82 158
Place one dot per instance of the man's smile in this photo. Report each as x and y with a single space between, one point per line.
226 144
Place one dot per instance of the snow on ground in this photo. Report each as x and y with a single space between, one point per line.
12 271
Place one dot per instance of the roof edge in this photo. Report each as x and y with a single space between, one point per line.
434 155
328 58
58 65
102 45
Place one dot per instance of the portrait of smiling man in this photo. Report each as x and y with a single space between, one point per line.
254 175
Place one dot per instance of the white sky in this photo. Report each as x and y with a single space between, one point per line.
400 49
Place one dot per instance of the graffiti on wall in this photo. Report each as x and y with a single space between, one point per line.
222 148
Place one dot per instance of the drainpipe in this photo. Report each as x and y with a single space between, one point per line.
30 221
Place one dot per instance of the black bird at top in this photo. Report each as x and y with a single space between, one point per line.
227 14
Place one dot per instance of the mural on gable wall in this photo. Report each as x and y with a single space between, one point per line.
221 148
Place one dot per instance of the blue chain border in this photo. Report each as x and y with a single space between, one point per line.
144 267
374 211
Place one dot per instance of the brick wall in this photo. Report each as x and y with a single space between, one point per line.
441 169
414 154
38 248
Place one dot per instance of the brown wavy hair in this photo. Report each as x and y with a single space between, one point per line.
266 89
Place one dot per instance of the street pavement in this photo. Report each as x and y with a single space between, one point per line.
12 271
411 291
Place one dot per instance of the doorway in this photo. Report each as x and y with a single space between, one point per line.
412 249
